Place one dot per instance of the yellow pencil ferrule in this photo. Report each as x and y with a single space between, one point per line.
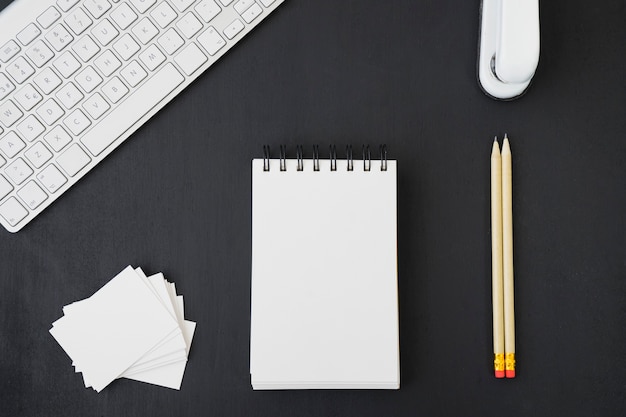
510 362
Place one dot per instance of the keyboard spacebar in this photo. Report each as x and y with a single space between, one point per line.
123 117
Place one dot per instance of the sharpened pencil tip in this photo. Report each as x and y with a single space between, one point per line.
506 147
495 149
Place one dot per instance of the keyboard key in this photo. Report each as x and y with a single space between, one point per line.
65 5
233 29
73 160
78 21
171 41
190 59
123 16
38 155
9 113
59 37
211 40
2 162
104 32
39 53
126 47
5 187
96 106
145 31
85 48
243 5
182 5
28 34
97 7
107 63
143 5
18 171
69 95
50 112
28 97
123 117
51 178
189 25
267 3
20 70
58 138
11 144
208 9
88 79
9 50
252 13
12 211
152 57
66 64
133 74
226 2
163 14
47 80
32 195
30 128
115 90
77 122
47 18
6 86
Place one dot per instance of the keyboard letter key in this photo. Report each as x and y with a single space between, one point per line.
11 144
77 122
50 112
38 155
9 113
30 128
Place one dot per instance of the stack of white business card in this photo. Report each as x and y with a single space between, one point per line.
134 327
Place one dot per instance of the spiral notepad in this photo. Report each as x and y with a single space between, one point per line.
324 302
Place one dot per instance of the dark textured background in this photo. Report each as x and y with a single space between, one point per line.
176 198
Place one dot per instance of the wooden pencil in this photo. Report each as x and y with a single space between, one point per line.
507 260
496 261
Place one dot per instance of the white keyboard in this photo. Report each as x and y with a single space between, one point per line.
78 77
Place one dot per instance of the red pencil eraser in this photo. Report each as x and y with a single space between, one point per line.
499 374
510 374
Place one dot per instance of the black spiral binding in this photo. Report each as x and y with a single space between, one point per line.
299 157
367 158
316 158
349 158
266 158
383 157
283 158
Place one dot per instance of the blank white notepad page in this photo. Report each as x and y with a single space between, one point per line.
324 307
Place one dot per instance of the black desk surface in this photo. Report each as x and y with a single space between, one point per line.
176 198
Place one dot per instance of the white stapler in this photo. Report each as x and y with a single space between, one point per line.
508 51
